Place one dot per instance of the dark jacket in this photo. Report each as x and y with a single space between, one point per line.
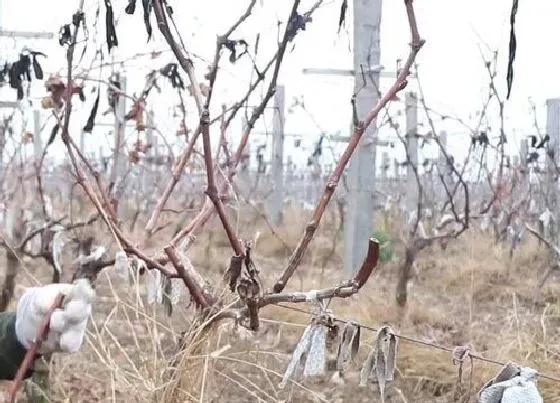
12 351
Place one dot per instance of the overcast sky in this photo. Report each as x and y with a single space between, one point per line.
451 69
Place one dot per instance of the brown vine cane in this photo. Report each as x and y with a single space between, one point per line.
31 353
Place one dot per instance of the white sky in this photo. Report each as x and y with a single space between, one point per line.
451 69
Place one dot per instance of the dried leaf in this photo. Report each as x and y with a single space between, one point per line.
37 69
147 5
342 17
110 29
64 35
92 114
171 72
130 7
512 46
234 271
54 131
297 22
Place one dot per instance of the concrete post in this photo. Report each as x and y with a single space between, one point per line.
275 205
361 172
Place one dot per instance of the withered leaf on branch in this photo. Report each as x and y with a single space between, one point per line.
296 23
54 131
231 45
27 137
147 5
233 272
130 7
110 29
512 46
37 69
92 115
64 35
342 17
171 72
136 113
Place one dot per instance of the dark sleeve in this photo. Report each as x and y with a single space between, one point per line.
12 351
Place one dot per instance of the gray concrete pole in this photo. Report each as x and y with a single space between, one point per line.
361 172
523 151
37 140
384 168
118 152
442 161
119 161
275 204
411 111
149 173
82 141
553 130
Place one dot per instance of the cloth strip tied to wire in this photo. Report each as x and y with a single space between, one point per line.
414 340
312 345
460 354
348 347
382 360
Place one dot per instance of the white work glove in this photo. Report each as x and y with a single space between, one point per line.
67 325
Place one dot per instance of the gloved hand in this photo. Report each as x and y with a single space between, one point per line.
68 323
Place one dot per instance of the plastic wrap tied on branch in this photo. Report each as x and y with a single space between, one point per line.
381 361
58 241
164 290
513 384
121 264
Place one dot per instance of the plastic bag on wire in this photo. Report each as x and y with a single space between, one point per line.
513 384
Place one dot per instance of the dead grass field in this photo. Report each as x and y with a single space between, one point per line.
472 293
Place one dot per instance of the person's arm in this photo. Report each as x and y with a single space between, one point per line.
67 326
12 351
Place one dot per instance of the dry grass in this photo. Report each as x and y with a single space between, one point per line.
470 294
